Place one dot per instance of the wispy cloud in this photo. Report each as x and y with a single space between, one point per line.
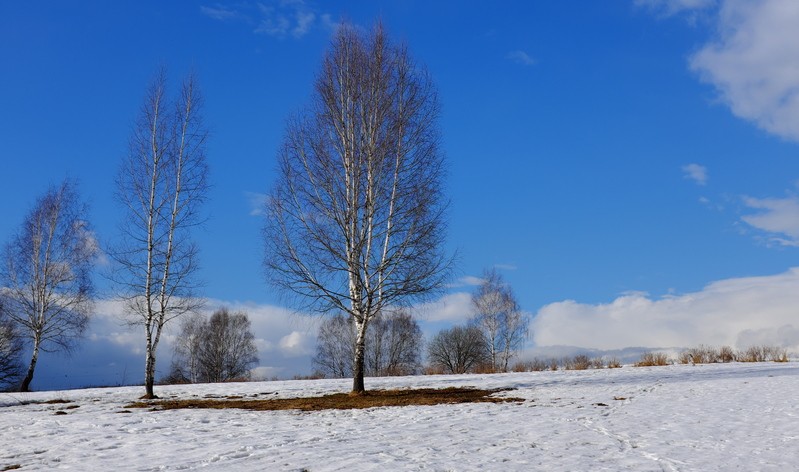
695 172
275 18
777 217
505 266
520 57
219 12
280 19
256 202
753 63
719 314
673 7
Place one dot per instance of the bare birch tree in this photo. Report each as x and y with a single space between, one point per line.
394 343
458 350
227 347
335 346
355 222
503 323
219 349
186 351
161 184
47 274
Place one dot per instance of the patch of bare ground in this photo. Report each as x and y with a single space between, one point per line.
340 401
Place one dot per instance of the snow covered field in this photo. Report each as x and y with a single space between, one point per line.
676 418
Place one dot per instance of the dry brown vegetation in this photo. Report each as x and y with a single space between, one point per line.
653 359
337 401
711 355
578 362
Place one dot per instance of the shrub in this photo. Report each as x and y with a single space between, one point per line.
726 354
614 363
520 366
578 362
775 354
653 359
535 365
699 355
752 354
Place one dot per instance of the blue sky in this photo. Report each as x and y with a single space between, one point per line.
631 167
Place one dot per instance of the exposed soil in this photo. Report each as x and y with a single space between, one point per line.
339 401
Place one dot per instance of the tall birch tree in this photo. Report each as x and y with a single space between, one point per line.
161 185
47 274
355 222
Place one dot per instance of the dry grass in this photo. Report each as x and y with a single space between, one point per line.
338 401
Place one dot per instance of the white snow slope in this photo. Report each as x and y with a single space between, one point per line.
677 418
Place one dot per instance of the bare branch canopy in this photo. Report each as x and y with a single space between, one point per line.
356 219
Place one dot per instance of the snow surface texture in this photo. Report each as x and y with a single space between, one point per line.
676 418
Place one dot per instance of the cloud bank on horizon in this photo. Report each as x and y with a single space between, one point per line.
738 312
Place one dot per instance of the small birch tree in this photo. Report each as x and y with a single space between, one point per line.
355 222
47 274
161 185
503 323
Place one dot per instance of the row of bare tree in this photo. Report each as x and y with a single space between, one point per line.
492 337
355 221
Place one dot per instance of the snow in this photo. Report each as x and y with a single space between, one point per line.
675 418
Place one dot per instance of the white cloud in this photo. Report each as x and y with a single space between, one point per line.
696 173
731 312
778 217
520 57
466 281
453 307
754 63
297 344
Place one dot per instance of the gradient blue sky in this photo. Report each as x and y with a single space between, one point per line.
617 161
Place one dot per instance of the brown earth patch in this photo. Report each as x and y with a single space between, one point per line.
341 401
